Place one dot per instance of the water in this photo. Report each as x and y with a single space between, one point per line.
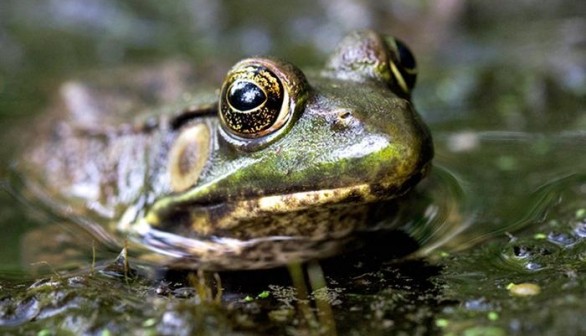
501 88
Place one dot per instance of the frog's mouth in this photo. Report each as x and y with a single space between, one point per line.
303 200
202 219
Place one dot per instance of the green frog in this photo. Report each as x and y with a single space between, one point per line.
277 166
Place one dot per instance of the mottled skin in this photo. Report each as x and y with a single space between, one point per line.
153 164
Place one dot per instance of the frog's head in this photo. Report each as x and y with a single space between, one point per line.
288 142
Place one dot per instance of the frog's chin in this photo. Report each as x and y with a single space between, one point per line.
226 232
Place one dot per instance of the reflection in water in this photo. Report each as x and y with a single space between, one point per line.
444 217
509 180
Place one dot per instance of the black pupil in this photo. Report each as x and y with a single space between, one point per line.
246 96
405 55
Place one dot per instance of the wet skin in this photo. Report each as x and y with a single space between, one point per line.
279 165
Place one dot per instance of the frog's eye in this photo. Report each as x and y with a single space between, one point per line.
403 66
258 98
368 56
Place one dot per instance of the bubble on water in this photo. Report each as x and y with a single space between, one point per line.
562 239
17 313
533 266
580 229
527 255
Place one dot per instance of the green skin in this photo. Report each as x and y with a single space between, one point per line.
352 142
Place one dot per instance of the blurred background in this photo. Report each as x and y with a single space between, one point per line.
531 48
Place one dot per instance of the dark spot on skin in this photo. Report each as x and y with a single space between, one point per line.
354 197
380 191
173 219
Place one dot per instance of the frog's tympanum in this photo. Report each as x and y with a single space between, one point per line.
278 165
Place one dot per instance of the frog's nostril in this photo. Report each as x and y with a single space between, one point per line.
344 115
343 119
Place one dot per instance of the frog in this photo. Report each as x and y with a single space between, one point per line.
275 166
